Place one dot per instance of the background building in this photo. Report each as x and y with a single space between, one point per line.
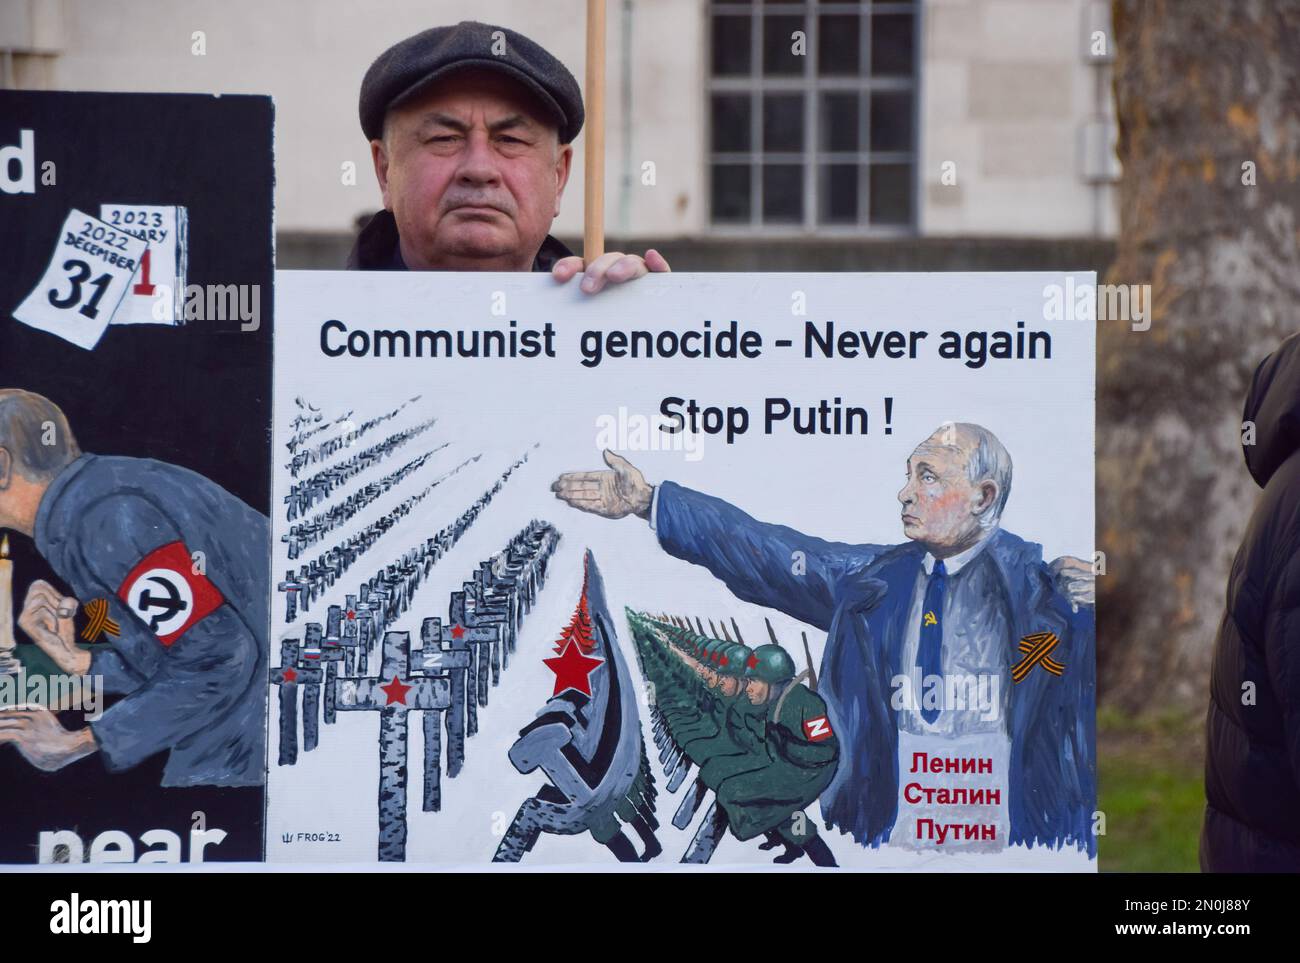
749 135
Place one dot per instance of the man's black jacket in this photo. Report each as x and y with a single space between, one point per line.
1252 765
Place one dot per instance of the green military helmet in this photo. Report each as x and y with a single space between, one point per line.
709 650
734 660
715 657
771 664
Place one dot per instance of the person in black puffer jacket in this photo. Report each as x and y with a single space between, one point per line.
1252 764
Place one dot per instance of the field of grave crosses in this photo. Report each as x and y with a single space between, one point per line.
369 511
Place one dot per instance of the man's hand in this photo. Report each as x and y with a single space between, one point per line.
1075 580
48 618
36 731
611 494
612 267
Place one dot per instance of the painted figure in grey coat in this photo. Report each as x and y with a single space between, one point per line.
183 567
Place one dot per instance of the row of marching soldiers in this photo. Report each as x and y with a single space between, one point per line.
761 739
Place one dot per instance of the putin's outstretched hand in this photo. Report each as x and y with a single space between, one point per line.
616 493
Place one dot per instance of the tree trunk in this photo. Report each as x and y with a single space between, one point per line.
1203 89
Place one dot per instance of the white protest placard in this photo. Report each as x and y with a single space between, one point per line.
810 440
158 287
85 281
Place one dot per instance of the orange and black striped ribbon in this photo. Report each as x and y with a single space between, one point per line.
1036 648
98 621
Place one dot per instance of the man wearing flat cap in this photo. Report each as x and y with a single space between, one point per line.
471 130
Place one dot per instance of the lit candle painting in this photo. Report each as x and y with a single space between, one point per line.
8 662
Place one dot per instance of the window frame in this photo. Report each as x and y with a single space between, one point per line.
811 86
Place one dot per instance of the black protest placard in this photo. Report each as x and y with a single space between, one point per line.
136 295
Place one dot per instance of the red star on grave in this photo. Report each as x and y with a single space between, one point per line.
289 675
456 632
572 670
351 615
395 691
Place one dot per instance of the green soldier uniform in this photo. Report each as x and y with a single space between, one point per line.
738 746
802 753
713 704
764 762
674 692
705 721
684 700
682 703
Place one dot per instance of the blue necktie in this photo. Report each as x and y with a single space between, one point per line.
929 655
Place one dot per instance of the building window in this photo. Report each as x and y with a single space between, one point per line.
812 114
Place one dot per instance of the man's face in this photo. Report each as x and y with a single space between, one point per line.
757 691
730 685
941 507
473 173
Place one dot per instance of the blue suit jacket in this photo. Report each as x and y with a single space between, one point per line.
860 595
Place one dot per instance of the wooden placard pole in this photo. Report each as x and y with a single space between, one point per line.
593 231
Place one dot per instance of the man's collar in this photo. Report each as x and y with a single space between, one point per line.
550 252
378 248
955 563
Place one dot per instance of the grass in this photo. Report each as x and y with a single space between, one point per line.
1151 788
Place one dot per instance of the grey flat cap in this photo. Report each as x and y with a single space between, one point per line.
411 66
